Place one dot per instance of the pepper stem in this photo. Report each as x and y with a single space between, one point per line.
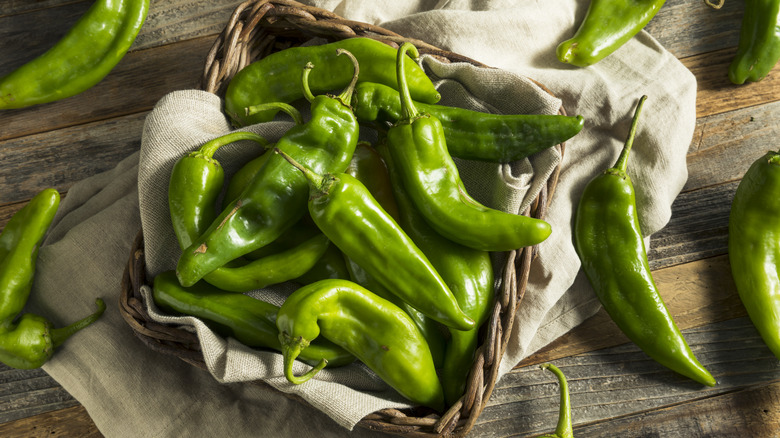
210 148
315 178
408 110
286 107
291 348
60 335
622 162
564 427
346 96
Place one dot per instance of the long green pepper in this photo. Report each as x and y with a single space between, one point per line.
275 199
759 42
418 147
81 59
754 246
609 243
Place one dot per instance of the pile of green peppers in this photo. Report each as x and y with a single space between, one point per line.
390 255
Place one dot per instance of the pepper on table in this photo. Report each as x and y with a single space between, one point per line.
610 245
759 42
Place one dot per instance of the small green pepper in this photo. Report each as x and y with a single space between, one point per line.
471 135
754 246
376 331
273 78
250 321
608 24
759 42
81 59
275 199
418 147
346 212
609 243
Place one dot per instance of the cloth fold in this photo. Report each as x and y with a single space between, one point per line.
128 389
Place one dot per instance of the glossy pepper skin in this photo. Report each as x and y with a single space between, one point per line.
275 199
81 59
250 321
754 246
377 332
418 147
273 78
608 24
472 135
346 212
759 42
468 273
609 243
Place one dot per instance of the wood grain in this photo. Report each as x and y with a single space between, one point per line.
69 422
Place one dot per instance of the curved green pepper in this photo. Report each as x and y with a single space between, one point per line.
19 243
377 332
469 274
275 199
330 265
346 212
274 78
608 24
759 42
418 147
81 59
754 246
250 321
609 243
472 135
564 427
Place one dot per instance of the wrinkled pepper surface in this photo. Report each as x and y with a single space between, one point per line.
754 246
610 245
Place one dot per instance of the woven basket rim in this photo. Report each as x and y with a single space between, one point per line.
250 33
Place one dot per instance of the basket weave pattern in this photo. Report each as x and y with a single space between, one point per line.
256 29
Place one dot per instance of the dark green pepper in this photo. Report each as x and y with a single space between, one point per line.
418 147
346 212
81 59
274 78
469 274
608 24
250 321
275 199
330 265
472 135
376 331
754 246
609 243
759 42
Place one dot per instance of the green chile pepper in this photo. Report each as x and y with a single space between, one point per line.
754 248
346 212
609 243
608 24
330 265
418 147
19 243
275 199
273 78
377 332
469 274
250 321
759 42
81 59
472 135
564 427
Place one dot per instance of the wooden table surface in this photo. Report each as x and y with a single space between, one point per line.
615 389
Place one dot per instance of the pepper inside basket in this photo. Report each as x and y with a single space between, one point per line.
256 29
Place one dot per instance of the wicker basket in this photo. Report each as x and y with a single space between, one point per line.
256 29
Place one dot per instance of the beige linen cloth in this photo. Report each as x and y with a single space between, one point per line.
128 389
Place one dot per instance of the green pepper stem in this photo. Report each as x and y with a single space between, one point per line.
210 148
305 82
622 162
290 351
564 427
315 178
286 107
408 110
60 335
346 96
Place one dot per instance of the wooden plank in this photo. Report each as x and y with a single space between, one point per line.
16 7
618 381
24 393
69 422
696 293
60 158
